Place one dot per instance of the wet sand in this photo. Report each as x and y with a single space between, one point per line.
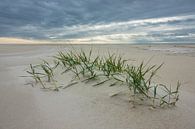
86 107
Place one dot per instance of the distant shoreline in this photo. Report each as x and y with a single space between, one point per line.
99 44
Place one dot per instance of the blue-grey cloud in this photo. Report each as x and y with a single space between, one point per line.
99 20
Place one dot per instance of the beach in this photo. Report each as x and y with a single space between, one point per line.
84 107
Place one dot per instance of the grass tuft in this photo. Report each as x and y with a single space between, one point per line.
113 68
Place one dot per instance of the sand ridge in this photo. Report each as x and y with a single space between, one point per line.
85 107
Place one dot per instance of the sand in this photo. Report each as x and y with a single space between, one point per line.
86 107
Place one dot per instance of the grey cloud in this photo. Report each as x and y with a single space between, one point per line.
47 19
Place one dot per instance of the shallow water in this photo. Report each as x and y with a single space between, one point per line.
174 50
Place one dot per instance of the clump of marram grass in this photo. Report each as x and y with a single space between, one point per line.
35 75
40 72
139 82
112 68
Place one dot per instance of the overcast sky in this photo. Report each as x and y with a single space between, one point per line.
99 21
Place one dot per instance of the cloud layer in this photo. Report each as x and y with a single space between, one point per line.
99 21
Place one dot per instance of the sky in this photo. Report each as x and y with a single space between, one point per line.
97 21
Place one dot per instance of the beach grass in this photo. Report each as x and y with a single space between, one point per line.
112 68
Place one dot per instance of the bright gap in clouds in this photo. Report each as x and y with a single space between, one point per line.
166 29
178 29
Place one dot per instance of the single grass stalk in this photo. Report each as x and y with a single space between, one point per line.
102 82
71 84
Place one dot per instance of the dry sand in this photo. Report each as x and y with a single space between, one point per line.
86 107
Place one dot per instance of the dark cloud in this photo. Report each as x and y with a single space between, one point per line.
66 19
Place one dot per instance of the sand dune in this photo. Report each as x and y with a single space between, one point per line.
85 107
